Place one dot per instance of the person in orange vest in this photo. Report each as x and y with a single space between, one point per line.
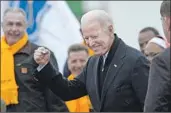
78 55
66 71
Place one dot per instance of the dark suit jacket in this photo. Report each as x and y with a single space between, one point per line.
32 95
124 88
158 97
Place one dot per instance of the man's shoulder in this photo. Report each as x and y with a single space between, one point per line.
165 54
133 54
163 57
134 51
92 59
32 45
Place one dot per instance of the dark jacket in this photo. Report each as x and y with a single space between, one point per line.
124 88
33 96
66 71
158 97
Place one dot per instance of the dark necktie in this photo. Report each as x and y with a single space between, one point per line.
101 76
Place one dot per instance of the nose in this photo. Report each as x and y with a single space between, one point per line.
14 28
78 64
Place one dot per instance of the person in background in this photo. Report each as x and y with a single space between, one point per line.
19 90
155 46
158 98
145 35
66 71
77 59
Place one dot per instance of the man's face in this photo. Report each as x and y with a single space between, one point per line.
77 61
151 50
96 38
14 26
143 39
166 27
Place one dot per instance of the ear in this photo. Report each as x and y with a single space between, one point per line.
110 28
168 23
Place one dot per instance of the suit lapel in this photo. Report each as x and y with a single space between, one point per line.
95 72
115 65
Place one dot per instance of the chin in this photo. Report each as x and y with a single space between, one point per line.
98 53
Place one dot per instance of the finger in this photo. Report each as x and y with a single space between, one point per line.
37 58
41 48
45 51
47 57
38 51
38 54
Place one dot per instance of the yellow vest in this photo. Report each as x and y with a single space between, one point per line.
90 51
78 105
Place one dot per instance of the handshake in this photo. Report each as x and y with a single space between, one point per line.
41 56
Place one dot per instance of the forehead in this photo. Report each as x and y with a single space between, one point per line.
14 17
146 36
93 26
78 54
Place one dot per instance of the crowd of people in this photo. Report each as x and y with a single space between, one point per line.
102 73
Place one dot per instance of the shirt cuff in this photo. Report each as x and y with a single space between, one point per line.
40 67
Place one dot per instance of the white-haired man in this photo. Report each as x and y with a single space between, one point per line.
115 78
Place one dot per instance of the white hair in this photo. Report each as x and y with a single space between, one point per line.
97 15
16 10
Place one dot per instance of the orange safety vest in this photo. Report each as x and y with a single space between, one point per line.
78 105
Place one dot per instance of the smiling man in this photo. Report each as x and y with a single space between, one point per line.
77 59
155 46
115 78
145 35
19 91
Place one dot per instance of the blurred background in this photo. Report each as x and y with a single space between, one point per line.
56 24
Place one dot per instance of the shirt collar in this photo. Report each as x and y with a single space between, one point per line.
104 57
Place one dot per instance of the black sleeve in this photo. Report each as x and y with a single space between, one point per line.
54 103
66 71
158 97
140 79
66 90
53 61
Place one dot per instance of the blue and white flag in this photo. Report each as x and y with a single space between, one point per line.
32 9
51 24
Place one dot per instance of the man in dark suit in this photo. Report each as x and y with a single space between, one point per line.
158 97
115 78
